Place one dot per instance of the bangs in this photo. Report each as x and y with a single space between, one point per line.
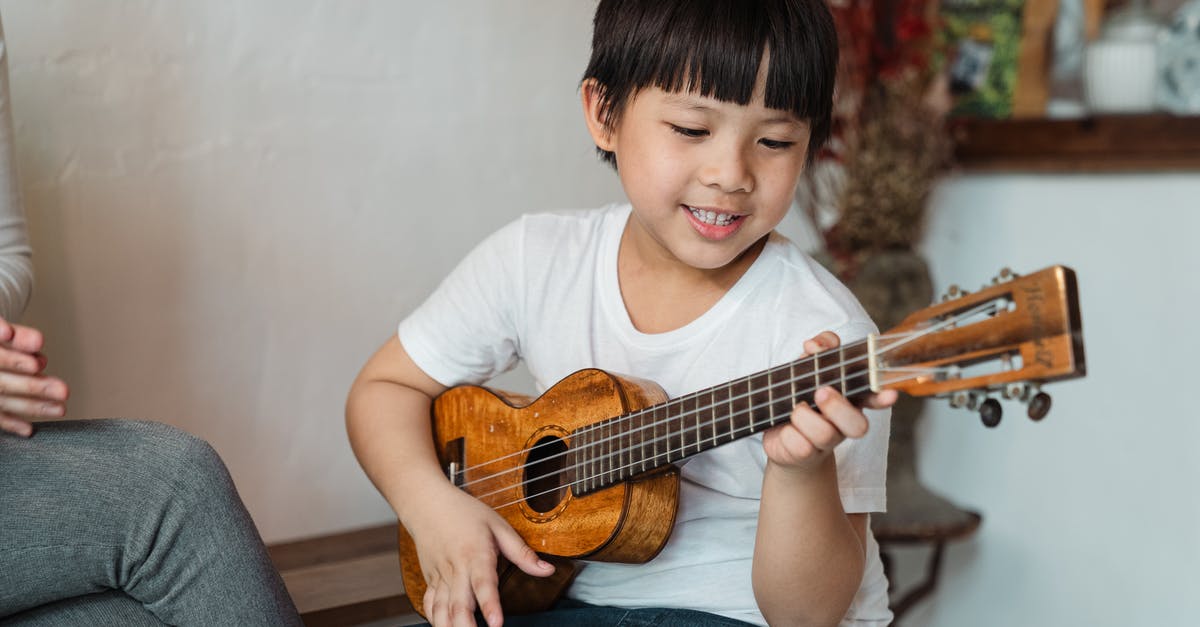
714 48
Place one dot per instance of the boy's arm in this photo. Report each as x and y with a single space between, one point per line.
809 553
457 537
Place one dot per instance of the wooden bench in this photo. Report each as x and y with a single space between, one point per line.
349 578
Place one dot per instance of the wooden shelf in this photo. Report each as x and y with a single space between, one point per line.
1097 144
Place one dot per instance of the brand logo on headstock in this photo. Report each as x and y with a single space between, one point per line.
1035 301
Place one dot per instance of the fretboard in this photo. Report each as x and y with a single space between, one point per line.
619 448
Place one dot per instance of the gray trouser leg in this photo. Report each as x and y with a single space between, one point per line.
140 508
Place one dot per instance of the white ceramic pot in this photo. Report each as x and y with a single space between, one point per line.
1120 76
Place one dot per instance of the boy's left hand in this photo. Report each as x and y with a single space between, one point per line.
811 435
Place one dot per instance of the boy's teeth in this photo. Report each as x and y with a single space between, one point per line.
710 217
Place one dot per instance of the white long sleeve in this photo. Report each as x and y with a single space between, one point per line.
16 263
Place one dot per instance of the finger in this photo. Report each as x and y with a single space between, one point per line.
15 426
796 446
26 339
487 593
441 605
427 600
882 400
848 419
461 605
816 428
13 360
31 408
823 341
6 330
514 548
33 387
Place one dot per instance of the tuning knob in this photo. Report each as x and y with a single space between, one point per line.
953 292
1039 406
990 412
1006 274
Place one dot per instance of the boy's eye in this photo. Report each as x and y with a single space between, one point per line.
774 144
689 132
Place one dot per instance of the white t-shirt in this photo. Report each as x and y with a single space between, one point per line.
544 289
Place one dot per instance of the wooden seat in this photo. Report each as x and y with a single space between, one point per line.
349 578
930 521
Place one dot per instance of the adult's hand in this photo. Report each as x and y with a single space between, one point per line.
25 391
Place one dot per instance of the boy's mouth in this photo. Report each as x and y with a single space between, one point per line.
714 218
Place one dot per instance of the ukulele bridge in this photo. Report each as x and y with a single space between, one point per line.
452 459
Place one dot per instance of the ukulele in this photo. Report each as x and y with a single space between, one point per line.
588 469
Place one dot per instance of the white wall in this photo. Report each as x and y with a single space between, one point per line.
233 204
1091 516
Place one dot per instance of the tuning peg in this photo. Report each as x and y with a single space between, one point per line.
1017 391
960 399
990 412
1039 406
952 292
1006 274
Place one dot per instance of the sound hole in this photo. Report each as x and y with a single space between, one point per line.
544 487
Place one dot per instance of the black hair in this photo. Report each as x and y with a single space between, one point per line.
714 48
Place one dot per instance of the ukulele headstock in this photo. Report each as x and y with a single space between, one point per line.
1007 340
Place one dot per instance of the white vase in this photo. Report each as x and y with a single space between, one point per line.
1120 69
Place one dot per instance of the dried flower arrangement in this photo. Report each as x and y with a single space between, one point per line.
871 187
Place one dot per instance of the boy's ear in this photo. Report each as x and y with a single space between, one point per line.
595 113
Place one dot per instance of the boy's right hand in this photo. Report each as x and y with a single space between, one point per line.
25 392
458 551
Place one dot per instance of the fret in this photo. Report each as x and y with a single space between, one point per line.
805 384
770 398
859 379
580 448
782 403
760 402
688 421
607 467
674 440
641 438
792 382
816 372
842 366
712 417
722 414
739 406
656 432
624 458
704 421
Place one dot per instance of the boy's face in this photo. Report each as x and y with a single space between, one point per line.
707 179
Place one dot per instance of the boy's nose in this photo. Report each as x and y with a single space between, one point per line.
728 171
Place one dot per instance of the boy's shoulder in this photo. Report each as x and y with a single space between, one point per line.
567 227
567 219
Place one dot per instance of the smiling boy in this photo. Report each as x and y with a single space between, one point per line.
708 109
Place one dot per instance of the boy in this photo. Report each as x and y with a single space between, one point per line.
708 110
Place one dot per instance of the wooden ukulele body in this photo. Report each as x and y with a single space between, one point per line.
485 440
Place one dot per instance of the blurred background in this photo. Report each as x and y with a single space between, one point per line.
233 204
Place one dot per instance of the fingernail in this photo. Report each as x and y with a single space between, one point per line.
822 394
544 565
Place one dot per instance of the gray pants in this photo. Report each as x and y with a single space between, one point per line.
115 522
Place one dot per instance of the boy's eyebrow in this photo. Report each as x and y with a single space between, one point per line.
693 103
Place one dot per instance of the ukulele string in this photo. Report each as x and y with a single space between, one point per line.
901 339
619 420
614 470
752 426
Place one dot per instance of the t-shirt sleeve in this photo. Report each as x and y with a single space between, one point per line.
862 463
467 330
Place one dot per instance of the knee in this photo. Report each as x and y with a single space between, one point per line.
188 463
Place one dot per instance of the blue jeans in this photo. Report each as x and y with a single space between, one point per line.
114 522
580 614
